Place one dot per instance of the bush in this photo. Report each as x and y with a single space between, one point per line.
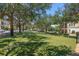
5 28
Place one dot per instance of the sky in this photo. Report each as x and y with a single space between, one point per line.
54 8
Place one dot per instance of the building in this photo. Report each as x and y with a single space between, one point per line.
70 28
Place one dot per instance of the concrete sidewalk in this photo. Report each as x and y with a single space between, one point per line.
76 53
77 48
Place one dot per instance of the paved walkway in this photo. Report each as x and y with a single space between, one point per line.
76 50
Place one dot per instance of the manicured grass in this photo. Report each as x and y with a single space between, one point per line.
35 43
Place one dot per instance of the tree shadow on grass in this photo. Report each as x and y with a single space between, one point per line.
34 41
61 50
68 36
36 38
35 47
38 49
5 36
2 45
25 49
7 40
31 36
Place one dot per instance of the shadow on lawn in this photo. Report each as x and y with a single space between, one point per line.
66 35
25 49
38 49
34 47
5 36
7 40
61 50
34 41
59 34
2 45
34 37
30 35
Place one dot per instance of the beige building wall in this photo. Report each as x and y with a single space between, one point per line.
72 28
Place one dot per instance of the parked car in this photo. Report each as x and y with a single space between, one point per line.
53 32
1 31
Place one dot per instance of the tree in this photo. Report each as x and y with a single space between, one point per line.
70 14
43 24
11 10
56 19
22 12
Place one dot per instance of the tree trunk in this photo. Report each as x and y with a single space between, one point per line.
1 17
23 27
46 30
19 27
0 24
11 26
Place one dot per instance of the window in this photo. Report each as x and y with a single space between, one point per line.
71 24
73 31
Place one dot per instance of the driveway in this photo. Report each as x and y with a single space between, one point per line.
6 32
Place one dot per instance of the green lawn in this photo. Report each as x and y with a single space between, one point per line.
33 43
